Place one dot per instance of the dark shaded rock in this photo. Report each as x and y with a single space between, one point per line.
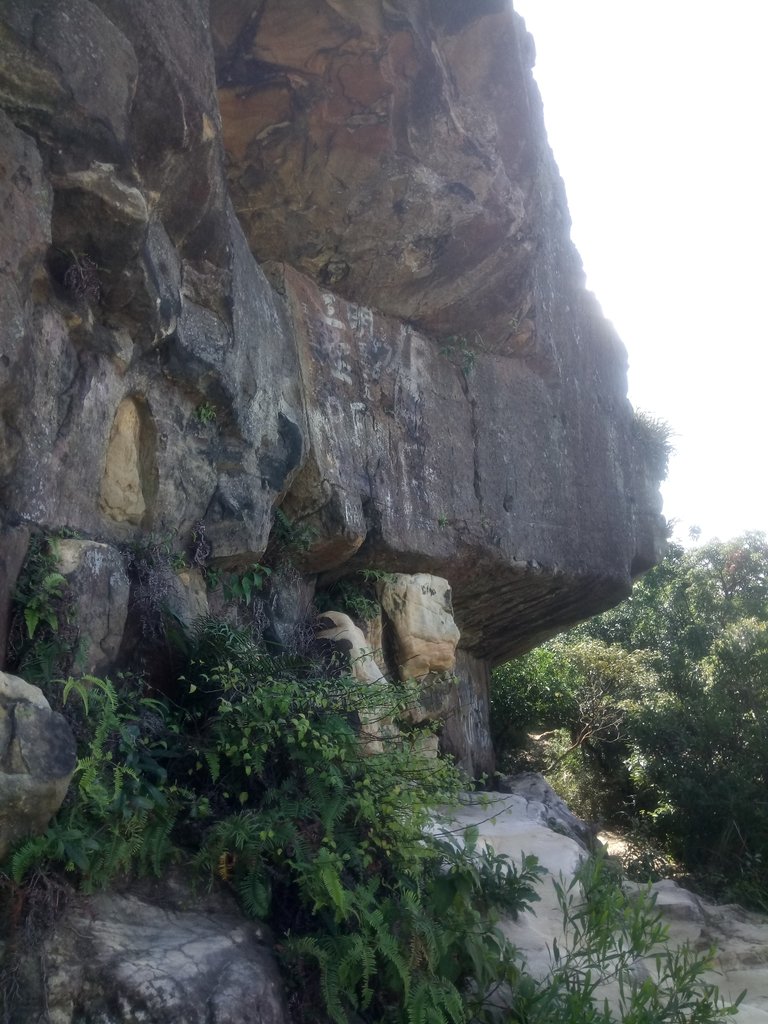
466 733
14 542
134 300
37 759
97 596
290 612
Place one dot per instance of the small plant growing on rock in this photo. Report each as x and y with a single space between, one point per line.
653 439
81 278
462 351
290 535
205 413
356 599
243 586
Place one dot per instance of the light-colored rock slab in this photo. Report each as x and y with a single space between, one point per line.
125 957
515 825
419 608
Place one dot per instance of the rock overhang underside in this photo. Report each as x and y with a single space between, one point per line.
316 257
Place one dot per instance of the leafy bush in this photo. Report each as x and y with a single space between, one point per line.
260 770
608 933
255 776
122 807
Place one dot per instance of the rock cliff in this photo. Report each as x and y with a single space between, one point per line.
312 257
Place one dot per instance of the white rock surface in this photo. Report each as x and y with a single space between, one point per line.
514 825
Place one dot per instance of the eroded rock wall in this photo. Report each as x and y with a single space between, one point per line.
419 377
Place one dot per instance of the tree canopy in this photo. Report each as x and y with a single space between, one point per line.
655 714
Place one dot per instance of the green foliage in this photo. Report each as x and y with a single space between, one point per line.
682 667
652 439
119 818
381 919
290 535
242 586
256 778
205 413
461 351
357 598
607 932
42 641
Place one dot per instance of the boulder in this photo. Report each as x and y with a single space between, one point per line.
37 759
340 631
418 608
134 957
187 597
518 824
97 597
376 725
550 808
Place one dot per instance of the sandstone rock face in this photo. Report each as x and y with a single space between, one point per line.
340 630
187 599
97 594
440 469
376 725
466 731
115 958
133 301
420 613
392 153
421 380
37 759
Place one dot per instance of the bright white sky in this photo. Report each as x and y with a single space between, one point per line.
657 112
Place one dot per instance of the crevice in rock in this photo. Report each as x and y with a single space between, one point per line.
472 401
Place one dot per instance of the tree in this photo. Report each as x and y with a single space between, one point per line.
666 706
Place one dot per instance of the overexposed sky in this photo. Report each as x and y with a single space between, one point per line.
657 113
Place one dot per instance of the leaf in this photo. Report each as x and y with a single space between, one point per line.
32 618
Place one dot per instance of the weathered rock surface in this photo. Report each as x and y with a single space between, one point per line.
535 789
423 380
339 630
393 153
14 542
515 824
97 596
37 759
118 958
130 298
466 732
420 615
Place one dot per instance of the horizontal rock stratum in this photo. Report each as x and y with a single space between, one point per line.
312 257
